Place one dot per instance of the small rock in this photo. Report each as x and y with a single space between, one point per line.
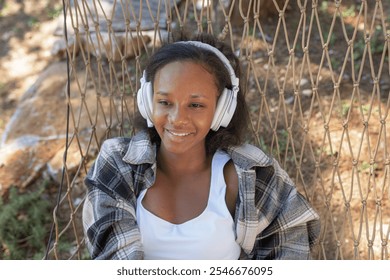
289 100
303 82
307 92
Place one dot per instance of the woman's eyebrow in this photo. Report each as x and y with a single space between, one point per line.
199 95
194 95
162 93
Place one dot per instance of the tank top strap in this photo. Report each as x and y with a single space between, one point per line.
217 176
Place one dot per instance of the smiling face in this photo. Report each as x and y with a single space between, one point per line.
184 102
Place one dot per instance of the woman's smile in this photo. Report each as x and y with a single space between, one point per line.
179 134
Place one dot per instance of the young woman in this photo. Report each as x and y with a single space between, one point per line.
186 186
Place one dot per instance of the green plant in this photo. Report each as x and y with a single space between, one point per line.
376 44
283 139
54 12
350 12
263 145
324 6
3 8
66 248
366 108
332 38
367 167
336 63
24 222
32 22
282 144
345 106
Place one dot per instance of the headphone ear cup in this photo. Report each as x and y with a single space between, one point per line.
145 102
224 111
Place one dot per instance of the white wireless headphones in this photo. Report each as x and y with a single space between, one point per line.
226 104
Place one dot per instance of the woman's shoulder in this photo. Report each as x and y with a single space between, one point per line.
121 144
248 156
115 144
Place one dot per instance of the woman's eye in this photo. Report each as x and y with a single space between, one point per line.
196 105
163 102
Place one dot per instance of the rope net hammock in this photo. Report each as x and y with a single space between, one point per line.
318 82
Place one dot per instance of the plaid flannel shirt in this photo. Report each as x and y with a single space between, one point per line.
272 220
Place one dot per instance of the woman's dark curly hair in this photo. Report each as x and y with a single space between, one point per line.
224 137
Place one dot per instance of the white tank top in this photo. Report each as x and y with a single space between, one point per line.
211 235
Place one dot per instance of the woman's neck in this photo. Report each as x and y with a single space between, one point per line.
189 162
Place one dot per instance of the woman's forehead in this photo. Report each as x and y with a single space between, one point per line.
185 74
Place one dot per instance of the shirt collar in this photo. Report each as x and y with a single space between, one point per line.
141 149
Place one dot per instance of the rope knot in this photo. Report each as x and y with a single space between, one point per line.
327 203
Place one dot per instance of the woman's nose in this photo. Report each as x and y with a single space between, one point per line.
178 115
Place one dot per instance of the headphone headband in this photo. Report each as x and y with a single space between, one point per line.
221 56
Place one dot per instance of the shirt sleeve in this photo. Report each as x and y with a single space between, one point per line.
293 225
109 219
